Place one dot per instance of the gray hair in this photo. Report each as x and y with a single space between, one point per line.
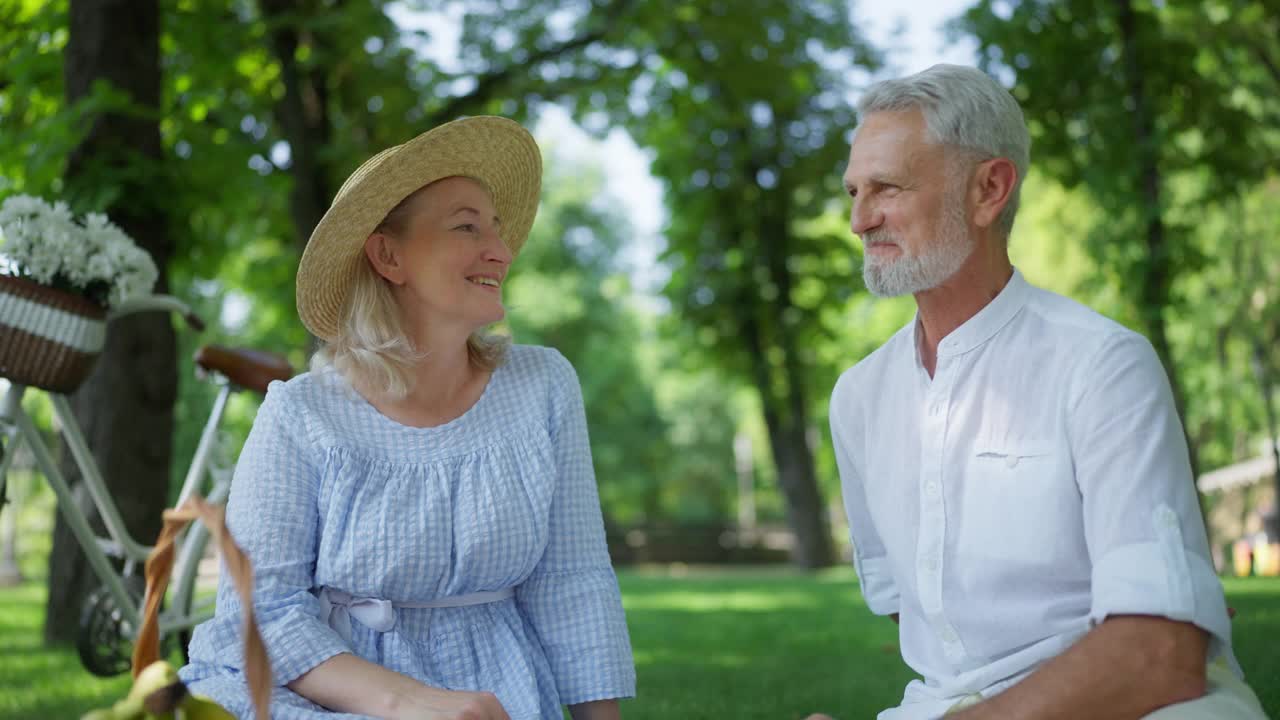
966 109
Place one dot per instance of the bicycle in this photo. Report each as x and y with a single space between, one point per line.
110 615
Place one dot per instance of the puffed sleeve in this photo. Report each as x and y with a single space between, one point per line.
572 599
875 575
273 514
1143 527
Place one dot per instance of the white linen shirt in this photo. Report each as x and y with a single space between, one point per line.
1037 484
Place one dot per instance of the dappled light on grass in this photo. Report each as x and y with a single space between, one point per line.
762 643
775 643
710 657
742 601
699 589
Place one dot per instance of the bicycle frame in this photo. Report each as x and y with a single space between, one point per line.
17 426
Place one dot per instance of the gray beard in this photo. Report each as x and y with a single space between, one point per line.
907 274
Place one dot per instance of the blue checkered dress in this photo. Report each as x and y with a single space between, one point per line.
330 493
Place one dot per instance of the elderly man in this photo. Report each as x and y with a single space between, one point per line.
1015 475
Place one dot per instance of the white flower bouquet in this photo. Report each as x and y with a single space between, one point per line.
58 277
93 258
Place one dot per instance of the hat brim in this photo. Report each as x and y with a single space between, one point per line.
496 151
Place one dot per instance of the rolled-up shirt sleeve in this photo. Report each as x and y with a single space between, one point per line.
1143 526
572 599
870 560
273 515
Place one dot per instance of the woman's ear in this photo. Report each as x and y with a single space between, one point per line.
381 250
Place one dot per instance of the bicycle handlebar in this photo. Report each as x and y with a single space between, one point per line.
158 303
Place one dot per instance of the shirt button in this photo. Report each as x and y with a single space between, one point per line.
931 563
949 636
931 489
1011 461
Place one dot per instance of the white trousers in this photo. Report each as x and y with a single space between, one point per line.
1229 698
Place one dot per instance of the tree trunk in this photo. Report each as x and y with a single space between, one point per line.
806 513
1157 277
782 393
303 116
126 406
796 471
792 458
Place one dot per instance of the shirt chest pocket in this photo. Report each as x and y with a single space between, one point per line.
1010 463
1012 499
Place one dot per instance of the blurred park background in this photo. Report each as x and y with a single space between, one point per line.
691 257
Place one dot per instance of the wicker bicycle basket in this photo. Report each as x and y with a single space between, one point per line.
48 338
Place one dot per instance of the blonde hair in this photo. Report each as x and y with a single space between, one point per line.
372 350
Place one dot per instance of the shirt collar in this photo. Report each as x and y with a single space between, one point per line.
984 325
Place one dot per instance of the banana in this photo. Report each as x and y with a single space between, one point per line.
198 707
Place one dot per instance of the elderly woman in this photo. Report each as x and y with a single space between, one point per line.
420 508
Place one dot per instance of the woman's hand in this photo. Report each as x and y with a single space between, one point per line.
436 704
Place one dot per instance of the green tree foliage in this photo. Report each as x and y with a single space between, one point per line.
661 438
566 291
743 106
1119 102
758 122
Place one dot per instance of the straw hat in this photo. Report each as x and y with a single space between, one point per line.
496 151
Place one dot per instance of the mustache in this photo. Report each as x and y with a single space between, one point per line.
878 236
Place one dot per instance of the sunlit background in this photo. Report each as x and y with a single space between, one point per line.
692 256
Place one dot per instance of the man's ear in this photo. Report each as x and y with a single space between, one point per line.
992 189
383 254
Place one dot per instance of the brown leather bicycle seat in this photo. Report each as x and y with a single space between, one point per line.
250 369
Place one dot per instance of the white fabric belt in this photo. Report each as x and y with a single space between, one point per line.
338 607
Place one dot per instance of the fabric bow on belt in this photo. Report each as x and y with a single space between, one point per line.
337 608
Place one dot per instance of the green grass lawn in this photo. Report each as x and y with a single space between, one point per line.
718 644
36 682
